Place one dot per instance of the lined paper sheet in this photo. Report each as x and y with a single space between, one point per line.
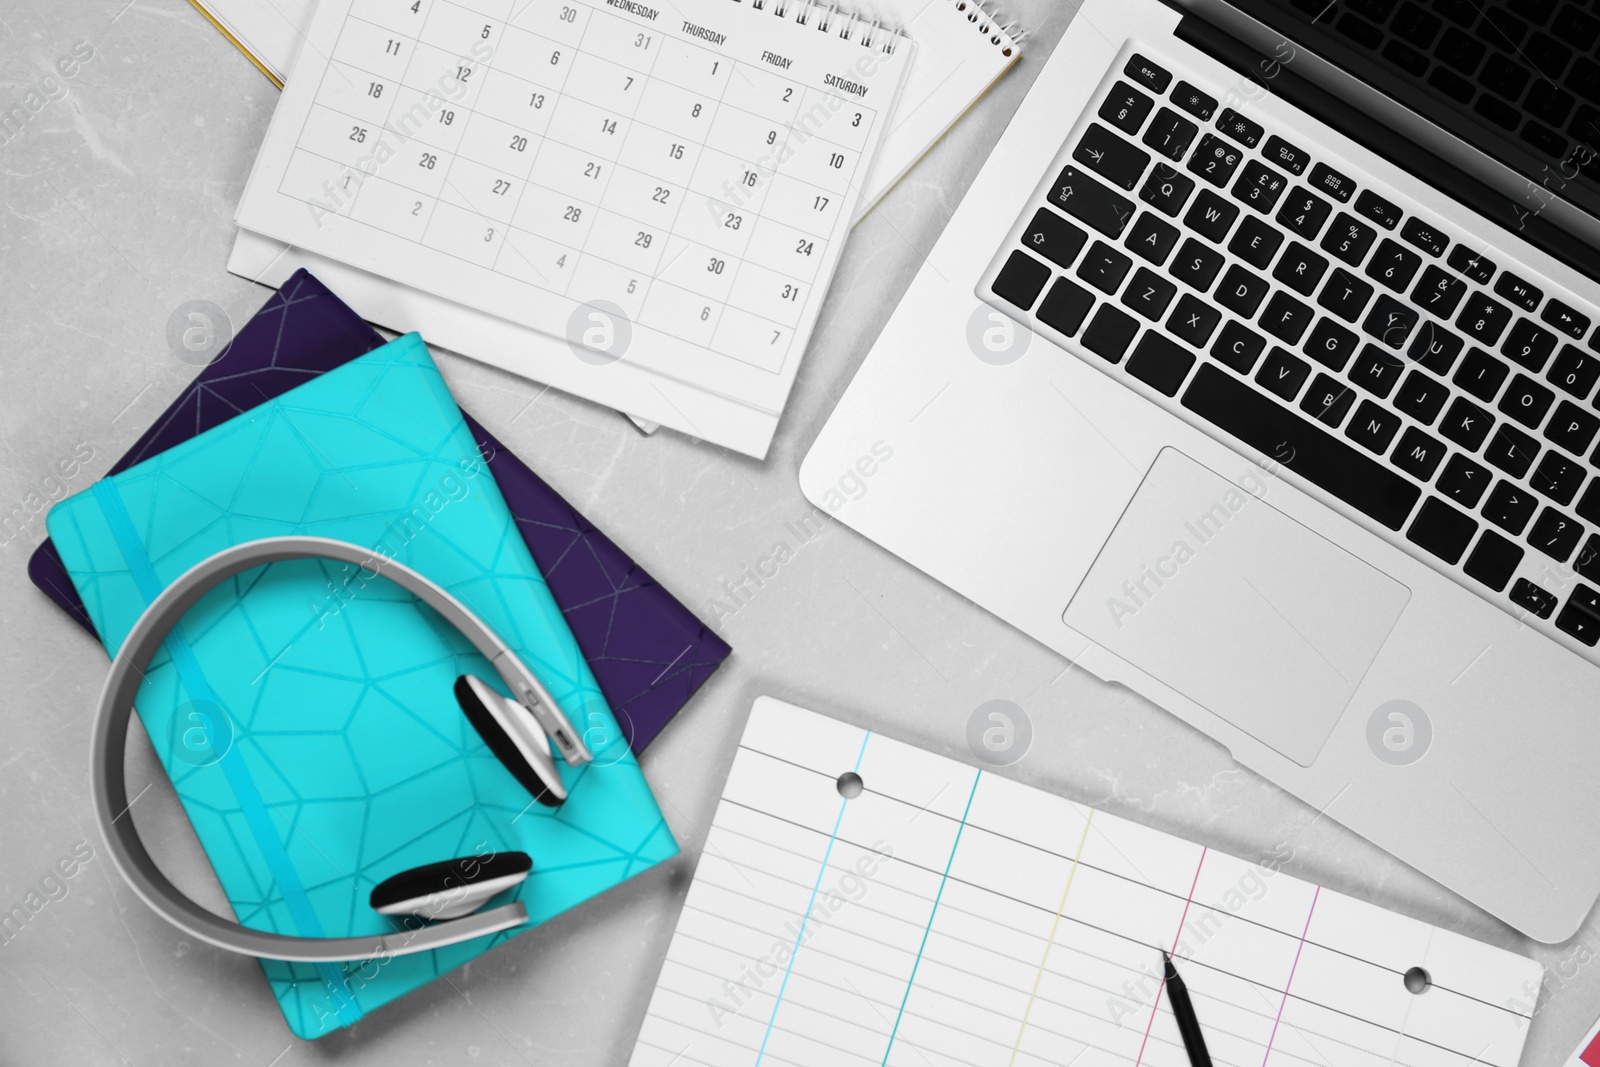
946 916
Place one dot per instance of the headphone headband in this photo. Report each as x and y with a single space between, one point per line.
109 785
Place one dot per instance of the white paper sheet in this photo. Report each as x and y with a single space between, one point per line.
946 916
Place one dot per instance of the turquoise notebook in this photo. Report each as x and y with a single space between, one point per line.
340 756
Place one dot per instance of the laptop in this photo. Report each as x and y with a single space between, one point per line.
1256 371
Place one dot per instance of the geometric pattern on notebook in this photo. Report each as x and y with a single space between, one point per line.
347 758
649 653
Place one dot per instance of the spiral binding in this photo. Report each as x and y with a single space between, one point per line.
987 20
829 18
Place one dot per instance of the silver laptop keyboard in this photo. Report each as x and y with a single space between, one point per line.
1413 378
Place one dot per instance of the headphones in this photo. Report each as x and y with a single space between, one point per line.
516 731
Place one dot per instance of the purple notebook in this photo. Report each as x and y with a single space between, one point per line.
647 651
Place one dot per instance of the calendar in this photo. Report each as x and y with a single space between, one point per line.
663 184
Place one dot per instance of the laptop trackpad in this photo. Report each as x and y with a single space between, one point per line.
1219 595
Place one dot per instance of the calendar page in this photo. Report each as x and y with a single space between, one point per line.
666 184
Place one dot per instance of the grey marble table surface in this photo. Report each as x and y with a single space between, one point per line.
119 194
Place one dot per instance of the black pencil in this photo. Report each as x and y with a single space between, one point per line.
1183 1010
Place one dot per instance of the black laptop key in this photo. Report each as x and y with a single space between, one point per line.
1452 85
1292 159
1574 372
1360 30
1481 374
1379 210
1589 505
1421 397
1442 530
1300 268
1557 477
1587 562
1210 216
1255 242
1160 363
1534 599
1572 428
1126 108
1434 347
1166 190
1328 400
1510 507
1517 292
1109 156
1373 427
1494 560
1497 111
1390 321
1259 186
1147 74
1241 129
1238 347
1303 213
1345 295
1460 51
1193 321
1511 450
1325 179
1331 344
1393 265
1170 133
1286 318
1575 27
1550 104
1020 280
1065 306
1196 102
1580 619
1283 373
1149 294
1420 235
1474 265
1349 238
1526 401
1484 318
1466 424
1463 480
1418 454
1215 160
1565 319
1438 292
1528 344
1376 371
1053 237
1416 26
1406 58
1241 292
1505 77
1152 238
1542 137
1104 267
1109 333
1301 445
1196 264
1091 203
1555 534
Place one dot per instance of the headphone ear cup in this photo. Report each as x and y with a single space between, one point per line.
449 889
514 738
